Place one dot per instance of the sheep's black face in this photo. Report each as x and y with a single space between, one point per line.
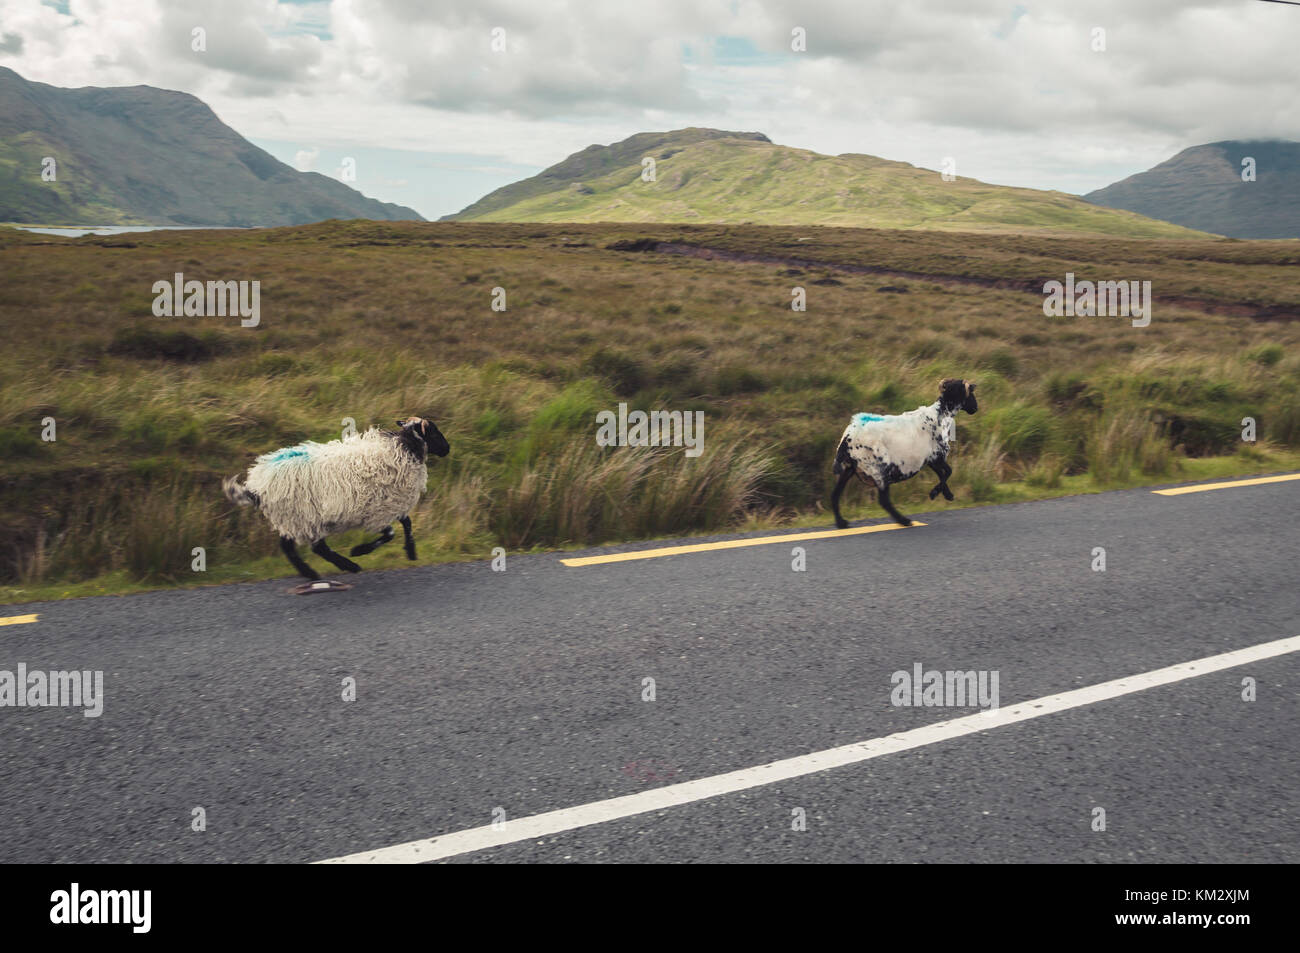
428 433
433 438
955 395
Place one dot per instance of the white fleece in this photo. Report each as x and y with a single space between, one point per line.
309 491
888 449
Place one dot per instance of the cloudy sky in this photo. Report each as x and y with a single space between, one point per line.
1017 91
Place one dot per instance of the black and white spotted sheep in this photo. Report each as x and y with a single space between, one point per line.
884 450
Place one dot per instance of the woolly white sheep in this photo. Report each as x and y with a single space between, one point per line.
364 481
884 450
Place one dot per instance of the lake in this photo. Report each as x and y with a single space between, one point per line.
119 229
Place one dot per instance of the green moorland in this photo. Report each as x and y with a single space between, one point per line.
373 321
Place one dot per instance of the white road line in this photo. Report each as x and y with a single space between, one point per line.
674 795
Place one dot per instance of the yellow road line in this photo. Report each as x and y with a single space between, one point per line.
730 544
17 619
1202 487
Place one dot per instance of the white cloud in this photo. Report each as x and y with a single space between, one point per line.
1011 89
305 159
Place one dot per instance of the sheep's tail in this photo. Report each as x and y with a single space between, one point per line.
239 494
843 459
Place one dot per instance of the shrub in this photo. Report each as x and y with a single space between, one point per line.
1063 387
1023 430
1203 434
1266 354
170 345
624 373
16 442
732 379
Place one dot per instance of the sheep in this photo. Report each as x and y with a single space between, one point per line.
366 481
884 450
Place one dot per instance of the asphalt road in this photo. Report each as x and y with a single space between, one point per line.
523 691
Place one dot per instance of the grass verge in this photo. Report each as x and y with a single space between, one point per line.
122 582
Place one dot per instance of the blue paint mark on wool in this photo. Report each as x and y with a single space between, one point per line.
287 454
866 418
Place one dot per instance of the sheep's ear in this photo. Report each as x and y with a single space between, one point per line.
970 386
400 423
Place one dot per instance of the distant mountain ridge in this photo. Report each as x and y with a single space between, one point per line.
1202 188
133 155
715 176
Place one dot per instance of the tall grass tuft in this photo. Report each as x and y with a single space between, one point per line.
985 469
582 493
1119 443
454 515
162 528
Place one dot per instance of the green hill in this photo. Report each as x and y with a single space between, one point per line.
708 176
136 155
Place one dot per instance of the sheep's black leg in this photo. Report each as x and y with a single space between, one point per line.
845 476
321 549
942 470
883 495
410 540
362 549
291 550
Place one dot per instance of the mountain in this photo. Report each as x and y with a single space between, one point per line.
133 155
712 176
595 162
1202 188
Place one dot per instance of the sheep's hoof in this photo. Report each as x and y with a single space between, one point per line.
947 495
933 494
904 522
841 524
